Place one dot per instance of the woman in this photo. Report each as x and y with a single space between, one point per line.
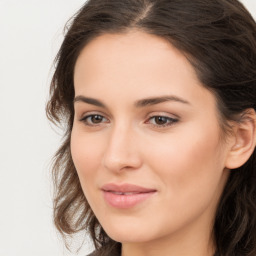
158 100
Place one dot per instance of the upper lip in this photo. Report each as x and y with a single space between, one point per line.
125 188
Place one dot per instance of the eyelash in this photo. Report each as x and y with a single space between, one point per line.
170 120
84 119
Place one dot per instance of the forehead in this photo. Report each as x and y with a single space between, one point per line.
135 64
131 53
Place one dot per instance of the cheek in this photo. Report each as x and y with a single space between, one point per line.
86 155
189 169
188 163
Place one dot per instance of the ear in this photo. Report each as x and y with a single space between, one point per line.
244 140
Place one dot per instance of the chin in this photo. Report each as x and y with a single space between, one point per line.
127 232
129 237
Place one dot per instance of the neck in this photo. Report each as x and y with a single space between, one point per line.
168 249
192 241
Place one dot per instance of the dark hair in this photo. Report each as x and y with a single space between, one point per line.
218 37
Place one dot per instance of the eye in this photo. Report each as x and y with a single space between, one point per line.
93 120
162 121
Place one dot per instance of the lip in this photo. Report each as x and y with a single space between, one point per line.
126 195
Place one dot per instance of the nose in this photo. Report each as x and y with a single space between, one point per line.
122 152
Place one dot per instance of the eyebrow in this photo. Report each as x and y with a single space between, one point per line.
139 103
157 100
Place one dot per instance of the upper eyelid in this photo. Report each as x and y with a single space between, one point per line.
170 122
91 113
146 120
153 112
164 114
170 119
91 124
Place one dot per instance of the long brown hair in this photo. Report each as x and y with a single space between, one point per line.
218 37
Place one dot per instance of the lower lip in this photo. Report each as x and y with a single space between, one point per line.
126 201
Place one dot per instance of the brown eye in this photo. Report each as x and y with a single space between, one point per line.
96 119
93 119
162 121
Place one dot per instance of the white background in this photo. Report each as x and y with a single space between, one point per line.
30 35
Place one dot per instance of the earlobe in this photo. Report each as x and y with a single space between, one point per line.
244 140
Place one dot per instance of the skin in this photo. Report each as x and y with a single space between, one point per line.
185 161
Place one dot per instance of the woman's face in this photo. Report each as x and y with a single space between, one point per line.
142 118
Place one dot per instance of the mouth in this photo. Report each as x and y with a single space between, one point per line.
126 195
